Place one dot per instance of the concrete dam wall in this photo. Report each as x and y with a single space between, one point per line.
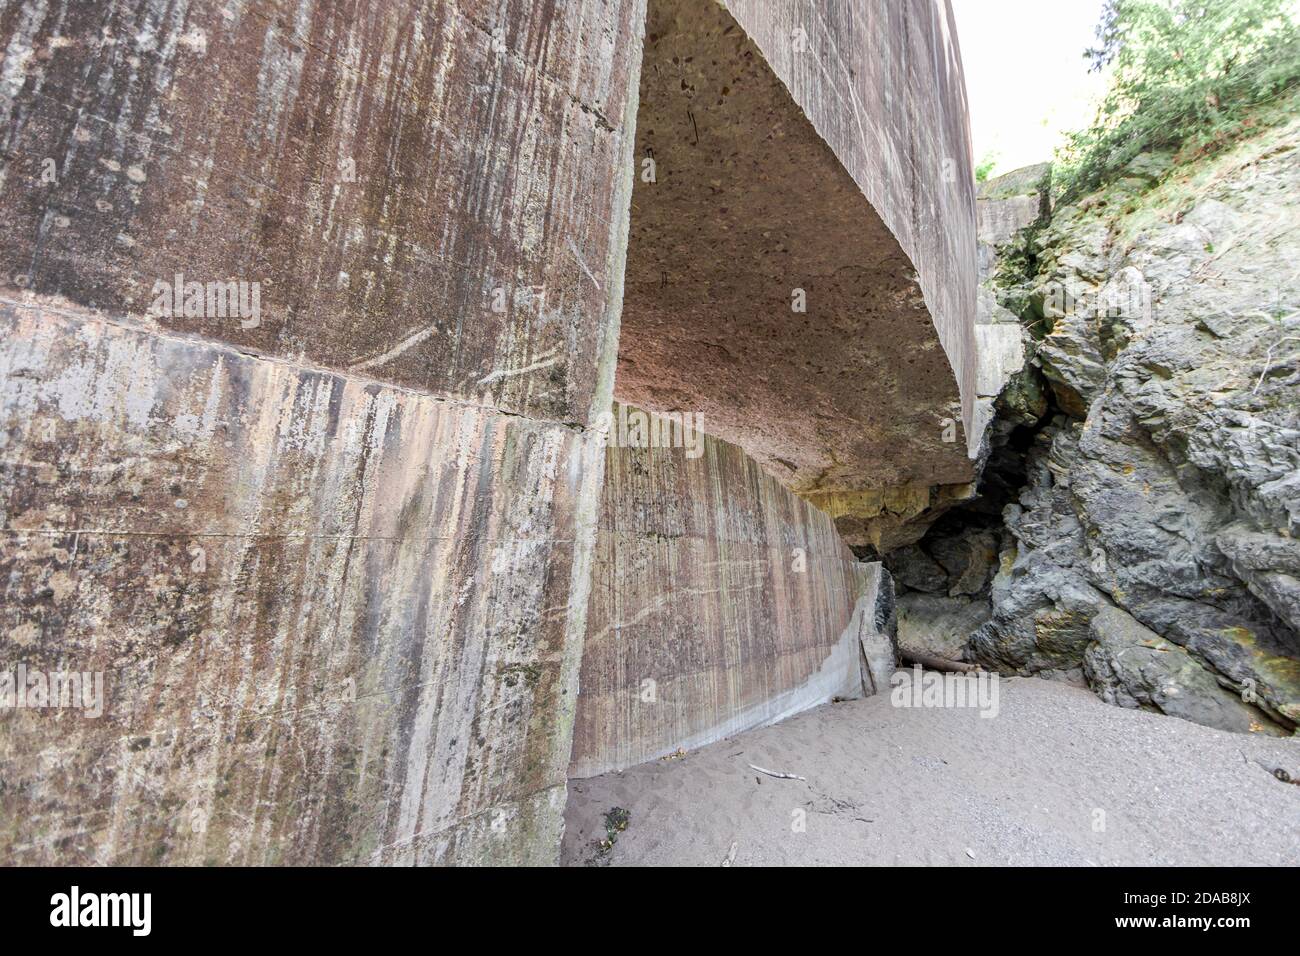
309 328
331 554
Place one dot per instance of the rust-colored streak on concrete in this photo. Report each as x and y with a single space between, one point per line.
720 601
333 558
749 203
324 610
424 191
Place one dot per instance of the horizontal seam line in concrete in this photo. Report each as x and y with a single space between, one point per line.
86 314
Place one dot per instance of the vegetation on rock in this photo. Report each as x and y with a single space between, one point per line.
1187 78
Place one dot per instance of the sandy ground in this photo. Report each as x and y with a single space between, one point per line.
1057 778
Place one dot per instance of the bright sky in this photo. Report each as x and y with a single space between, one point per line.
1026 78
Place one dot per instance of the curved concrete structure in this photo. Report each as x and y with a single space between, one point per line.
801 268
329 551
785 190
309 314
720 601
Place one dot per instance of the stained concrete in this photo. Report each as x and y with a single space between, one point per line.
334 558
720 602
884 88
333 562
381 169
801 260
330 614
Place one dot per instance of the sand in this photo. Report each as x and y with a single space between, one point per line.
1056 778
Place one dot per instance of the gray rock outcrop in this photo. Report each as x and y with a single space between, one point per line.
1130 665
1153 548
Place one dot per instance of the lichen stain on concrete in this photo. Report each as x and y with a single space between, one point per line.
725 592
279 650
298 142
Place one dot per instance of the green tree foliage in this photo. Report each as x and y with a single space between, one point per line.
1185 75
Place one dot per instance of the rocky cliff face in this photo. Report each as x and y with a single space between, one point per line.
1152 549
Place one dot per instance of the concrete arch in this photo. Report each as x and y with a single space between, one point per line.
818 330
814 304
332 547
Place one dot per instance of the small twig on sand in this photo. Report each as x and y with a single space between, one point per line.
731 855
781 776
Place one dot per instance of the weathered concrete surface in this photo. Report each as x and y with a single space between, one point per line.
884 88
394 163
333 553
330 614
720 602
333 562
789 162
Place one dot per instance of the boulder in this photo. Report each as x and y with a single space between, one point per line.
878 634
1132 666
939 625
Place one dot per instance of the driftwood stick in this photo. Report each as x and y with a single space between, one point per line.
782 776
937 663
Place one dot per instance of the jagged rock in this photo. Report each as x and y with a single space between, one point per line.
1269 565
1172 495
1023 400
880 520
1132 666
1150 167
937 624
1153 526
1042 602
879 631
958 556
1070 356
915 569
969 560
